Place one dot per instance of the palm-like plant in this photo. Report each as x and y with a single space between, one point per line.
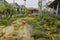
7 9
6 12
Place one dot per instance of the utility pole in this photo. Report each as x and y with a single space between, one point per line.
25 6
13 1
24 2
2 2
57 10
40 7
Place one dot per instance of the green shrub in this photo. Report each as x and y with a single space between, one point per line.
49 20
37 32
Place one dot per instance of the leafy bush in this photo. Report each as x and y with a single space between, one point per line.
37 31
49 20
8 14
25 12
47 30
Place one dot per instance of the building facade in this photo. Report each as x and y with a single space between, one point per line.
33 11
56 6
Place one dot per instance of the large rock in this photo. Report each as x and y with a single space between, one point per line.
41 39
8 30
13 38
23 28
20 27
1 28
28 38
18 38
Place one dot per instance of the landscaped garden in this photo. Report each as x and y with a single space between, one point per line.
47 27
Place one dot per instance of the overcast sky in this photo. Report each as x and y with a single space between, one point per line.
29 3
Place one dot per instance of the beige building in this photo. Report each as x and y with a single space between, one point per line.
33 11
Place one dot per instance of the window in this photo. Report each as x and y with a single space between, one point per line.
17 9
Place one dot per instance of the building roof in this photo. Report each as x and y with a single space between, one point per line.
22 6
15 5
32 8
49 3
54 4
